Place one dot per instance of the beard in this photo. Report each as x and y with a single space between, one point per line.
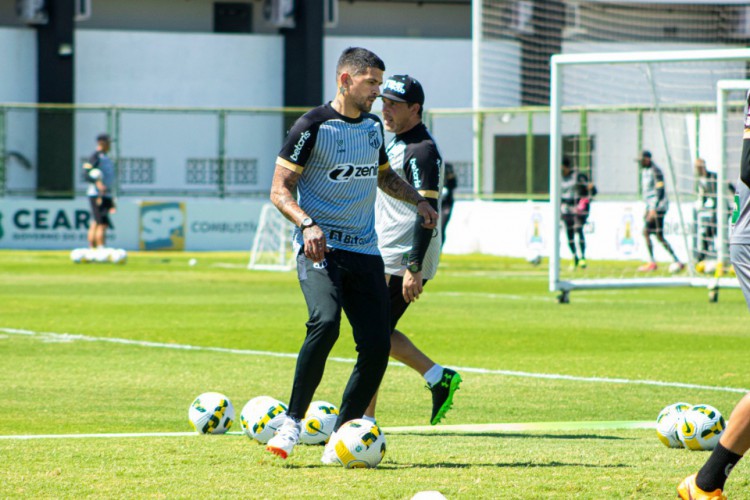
363 104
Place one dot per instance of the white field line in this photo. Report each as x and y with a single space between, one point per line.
417 429
538 298
68 337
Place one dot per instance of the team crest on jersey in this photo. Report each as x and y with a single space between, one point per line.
374 138
346 172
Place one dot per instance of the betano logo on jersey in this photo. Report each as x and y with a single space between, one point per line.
304 136
345 172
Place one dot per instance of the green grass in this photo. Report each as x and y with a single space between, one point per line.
479 313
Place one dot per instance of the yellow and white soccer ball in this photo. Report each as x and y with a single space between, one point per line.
318 423
261 417
118 256
358 444
701 427
667 423
211 413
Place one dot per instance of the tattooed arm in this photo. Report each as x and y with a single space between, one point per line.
283 187
393 185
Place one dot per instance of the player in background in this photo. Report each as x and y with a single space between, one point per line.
446 198
99 172
654 194
410 251
705 213
334 158
576 194
709 482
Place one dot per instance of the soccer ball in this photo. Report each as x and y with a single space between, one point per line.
676 267
95 174
261 417
211 413
318 424
359 444
701 427
78 255
118 256
667 423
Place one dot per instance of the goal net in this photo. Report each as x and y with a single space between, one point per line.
605 110
272 245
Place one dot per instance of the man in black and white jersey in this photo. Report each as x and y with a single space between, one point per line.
654 191
709 482
99 173
410 251
334 157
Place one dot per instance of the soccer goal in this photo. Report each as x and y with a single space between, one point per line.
272 245
607 108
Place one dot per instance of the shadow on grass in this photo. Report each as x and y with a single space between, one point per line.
451 465
512 435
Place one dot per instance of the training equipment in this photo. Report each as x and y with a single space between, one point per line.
211 413
272 245
674 116
78 255
317 426
94 174
99 255
667 422
701 427
359 444
261 417
442 394
676 267
688 490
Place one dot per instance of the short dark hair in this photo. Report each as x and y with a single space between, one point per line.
566 161
103 137
358 60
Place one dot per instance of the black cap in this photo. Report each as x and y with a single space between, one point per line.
646 154
403 88
103 137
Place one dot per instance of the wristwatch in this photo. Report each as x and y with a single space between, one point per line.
414 267
306 222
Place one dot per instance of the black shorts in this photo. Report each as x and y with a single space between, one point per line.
656 225
101 212
398 304
575 221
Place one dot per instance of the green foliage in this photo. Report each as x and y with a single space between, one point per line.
491 317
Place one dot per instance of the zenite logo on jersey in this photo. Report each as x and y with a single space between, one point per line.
304 136
345 172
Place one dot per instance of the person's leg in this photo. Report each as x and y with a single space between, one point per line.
580 224
321 287
93 222
735 441
101 234
569 220
365 301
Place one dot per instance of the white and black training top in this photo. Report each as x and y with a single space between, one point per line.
100 160
338 159
415 157
740 231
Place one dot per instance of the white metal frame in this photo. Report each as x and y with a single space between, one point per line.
271 219
558 61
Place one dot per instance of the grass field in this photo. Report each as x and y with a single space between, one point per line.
106 349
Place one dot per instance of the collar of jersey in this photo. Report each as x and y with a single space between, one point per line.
344 117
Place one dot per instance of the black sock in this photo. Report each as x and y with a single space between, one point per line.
715 471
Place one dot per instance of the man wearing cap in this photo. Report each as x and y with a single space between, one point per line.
325 181
99 173
410 251
654 194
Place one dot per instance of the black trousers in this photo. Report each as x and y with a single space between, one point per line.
355 283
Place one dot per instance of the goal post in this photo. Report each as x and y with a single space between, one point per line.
661 101
272 244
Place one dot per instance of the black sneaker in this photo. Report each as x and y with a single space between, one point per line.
442 394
